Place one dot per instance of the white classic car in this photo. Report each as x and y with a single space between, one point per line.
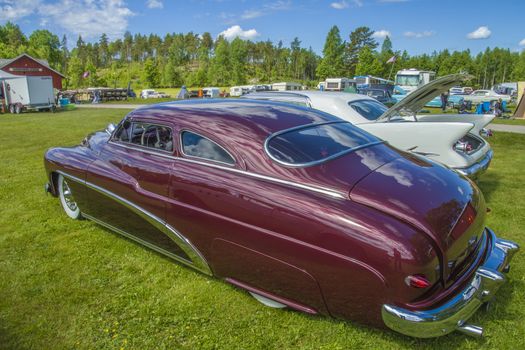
150 93
478 96
452 139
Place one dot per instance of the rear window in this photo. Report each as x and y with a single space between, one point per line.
369 109
313 144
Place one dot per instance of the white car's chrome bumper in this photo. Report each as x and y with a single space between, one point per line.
477 168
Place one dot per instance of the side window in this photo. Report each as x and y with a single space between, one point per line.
123 132
195 145
151 136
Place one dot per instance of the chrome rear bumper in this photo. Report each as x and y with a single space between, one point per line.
453 315
478 168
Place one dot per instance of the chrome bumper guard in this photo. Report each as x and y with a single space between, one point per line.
478 168
453 315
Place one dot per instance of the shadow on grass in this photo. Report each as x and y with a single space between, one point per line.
489 183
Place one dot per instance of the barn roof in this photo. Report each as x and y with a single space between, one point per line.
5 61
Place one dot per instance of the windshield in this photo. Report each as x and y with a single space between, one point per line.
313 144
369 109
407 80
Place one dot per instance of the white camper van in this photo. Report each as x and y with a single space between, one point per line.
28 93
411 79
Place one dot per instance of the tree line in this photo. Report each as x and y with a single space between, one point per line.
199 60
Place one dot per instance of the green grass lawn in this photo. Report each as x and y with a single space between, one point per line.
68 284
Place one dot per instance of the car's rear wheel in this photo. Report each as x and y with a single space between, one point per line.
66 198
267 302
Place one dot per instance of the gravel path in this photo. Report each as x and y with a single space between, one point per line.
520 129
110 105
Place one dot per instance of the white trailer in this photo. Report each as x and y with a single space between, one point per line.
286 86
28 93
338 84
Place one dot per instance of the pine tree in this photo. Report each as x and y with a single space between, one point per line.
151 75
361 37
331 64
368 64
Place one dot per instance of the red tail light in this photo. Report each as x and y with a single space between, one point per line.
417 281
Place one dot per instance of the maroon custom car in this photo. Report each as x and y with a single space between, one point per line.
298 207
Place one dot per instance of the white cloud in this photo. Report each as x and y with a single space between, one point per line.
12 10
339 5
522 43
89 18
263 10
154 4
381 34
482 32
418 35
343 4
249 14
279 5
237 32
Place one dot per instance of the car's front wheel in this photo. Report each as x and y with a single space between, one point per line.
66 198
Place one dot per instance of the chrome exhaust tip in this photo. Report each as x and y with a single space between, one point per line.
473 331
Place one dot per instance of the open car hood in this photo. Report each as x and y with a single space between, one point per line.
417 99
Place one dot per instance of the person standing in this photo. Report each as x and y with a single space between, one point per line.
444 101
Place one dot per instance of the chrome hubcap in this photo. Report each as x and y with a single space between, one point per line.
68 196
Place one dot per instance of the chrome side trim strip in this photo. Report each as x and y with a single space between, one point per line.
323 190
197 260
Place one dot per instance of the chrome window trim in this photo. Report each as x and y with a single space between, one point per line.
197 262
182 131
315 162
318 189
140 147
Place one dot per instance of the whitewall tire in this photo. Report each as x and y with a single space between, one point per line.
66 199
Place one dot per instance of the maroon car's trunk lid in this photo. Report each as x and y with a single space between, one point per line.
442 204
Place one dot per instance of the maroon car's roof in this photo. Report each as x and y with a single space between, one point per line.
237 121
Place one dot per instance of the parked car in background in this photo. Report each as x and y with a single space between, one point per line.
296 206
460 90
150 93
211 92
454 101
486 96
381 95
451 139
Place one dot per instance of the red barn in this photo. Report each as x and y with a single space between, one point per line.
27 65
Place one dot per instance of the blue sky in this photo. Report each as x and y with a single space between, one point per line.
418 26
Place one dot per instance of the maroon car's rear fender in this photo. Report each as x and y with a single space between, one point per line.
440 203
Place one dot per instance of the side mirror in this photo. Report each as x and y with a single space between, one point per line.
110 128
